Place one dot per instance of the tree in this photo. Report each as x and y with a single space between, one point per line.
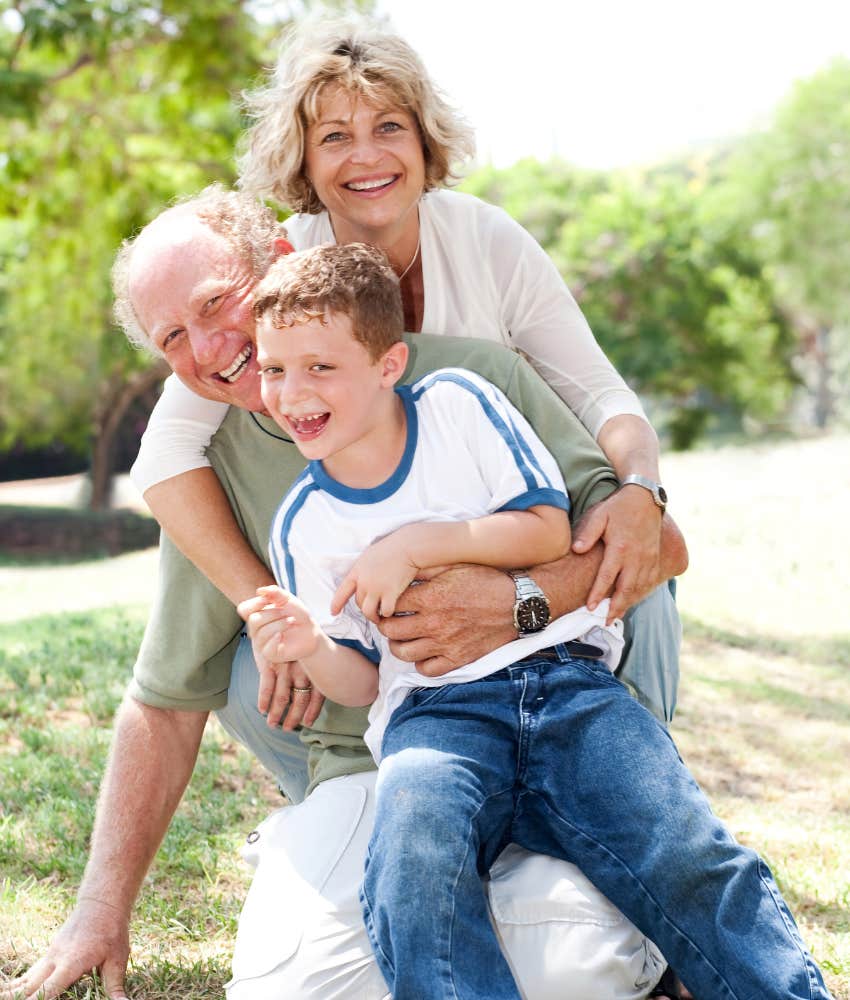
540 196
792 186
109 109
677 298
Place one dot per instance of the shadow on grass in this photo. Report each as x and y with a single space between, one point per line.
811 652
10 560
833 651
809 706
833 918
747 701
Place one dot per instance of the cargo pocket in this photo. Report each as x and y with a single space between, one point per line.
295 850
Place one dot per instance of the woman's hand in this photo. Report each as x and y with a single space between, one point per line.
281 630
629 525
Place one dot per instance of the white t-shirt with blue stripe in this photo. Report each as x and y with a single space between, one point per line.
469 452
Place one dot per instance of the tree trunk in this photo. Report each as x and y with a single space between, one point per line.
119 396
824 402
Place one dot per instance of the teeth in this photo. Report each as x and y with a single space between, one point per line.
307 423
369 185
231 373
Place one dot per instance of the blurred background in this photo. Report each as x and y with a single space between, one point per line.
687 166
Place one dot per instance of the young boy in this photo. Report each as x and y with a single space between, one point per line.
536 743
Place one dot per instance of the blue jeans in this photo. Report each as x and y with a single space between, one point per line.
650 668
554 755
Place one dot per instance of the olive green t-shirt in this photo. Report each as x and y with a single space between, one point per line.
186 653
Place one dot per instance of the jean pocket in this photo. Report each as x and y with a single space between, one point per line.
422 696
597 669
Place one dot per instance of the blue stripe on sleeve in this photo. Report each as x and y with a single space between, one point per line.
549 497
529 454
371 654
509 435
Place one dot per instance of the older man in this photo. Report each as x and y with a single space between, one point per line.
185 286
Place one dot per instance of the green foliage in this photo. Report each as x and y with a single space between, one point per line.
113 109
715 286
678 301
540 196
792 188
797 178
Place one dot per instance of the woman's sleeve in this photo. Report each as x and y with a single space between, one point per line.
546 325
178 432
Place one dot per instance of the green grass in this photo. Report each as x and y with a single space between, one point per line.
763 721
61 678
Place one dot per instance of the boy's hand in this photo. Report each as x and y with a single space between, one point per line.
281 631
378 577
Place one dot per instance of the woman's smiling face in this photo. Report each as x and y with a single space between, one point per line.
367 165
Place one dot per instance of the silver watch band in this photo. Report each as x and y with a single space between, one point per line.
524 585
659 494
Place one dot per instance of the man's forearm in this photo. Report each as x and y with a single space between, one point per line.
152 757
192 508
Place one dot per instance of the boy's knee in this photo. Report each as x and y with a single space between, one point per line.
421 778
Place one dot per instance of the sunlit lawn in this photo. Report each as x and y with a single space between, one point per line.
764 721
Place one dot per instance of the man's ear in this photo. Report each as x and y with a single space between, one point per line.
282 247
393 363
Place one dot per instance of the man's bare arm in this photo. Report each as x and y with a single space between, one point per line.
466 611
152 757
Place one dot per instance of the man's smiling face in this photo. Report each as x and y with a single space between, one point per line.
193 297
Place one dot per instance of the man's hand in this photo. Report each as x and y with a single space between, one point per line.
378 577
276 626
95 936
464 612
629 524
451 618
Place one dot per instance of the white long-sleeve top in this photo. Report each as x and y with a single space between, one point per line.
484 277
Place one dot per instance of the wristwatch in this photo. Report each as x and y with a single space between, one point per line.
659 494
531 609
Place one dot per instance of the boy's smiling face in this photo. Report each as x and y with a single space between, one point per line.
328 394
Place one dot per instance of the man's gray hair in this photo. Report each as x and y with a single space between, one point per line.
249 227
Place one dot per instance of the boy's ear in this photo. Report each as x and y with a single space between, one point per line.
393 363
282 247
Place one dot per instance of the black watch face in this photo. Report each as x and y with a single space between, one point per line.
532 615
662 494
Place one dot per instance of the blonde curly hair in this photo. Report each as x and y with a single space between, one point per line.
362 58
